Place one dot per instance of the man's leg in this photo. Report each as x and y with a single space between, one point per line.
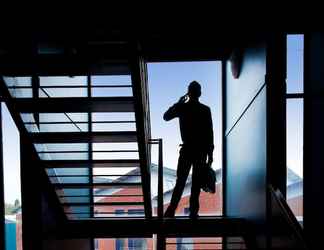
195 186
195 192
183 170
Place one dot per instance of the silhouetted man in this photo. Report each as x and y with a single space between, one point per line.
198 144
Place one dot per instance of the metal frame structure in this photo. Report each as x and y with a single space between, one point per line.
2 201
123 56
140 91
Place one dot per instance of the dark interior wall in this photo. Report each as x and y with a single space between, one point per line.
30 197
245 140
313 139
40 214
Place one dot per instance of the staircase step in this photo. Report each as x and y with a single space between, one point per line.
84 137
127 163
97 185
80 204
75 104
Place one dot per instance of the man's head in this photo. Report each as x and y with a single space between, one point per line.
194 90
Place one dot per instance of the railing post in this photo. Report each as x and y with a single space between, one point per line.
160 180
159 142
160 242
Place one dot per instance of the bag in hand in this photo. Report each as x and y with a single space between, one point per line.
208 179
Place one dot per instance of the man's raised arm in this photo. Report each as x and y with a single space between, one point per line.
174 110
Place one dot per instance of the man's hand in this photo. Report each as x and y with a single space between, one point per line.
182 99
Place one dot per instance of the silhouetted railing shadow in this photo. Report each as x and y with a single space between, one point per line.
286 231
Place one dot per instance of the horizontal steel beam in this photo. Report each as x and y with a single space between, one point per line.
97 185
103 195
74 105
127 163
142 227
97 175
85 204
83 137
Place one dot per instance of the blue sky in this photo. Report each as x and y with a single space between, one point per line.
167 82
295 108
11 157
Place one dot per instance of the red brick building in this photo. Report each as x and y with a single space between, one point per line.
210 204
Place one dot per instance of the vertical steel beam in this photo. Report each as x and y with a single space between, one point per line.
160 180
90 158
35 90
140 92
31 186
160 242
276 111
2 201
224 180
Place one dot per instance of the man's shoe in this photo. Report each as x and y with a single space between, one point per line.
193 216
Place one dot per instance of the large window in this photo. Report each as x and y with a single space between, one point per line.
11 175
295 126
167 83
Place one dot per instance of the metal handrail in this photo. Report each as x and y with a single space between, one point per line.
159 142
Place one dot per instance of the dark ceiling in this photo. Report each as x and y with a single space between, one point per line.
82 49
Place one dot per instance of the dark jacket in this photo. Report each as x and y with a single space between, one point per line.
196 125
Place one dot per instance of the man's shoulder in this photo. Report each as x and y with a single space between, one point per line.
197 106
204 107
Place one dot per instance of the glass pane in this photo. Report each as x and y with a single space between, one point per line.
114 171
117 179
17 86
61 117
115 146
167 83
124 243
114 211
115 156
111 80
73 192
17 81
48 84
122 198
106 92
21 93
63 156
295 144
65 180
113 127
67 127
124 116
77 209
200 243
61 147
77 216
116 191
12 186
62 92
63 81
56 122
74 199
295 63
